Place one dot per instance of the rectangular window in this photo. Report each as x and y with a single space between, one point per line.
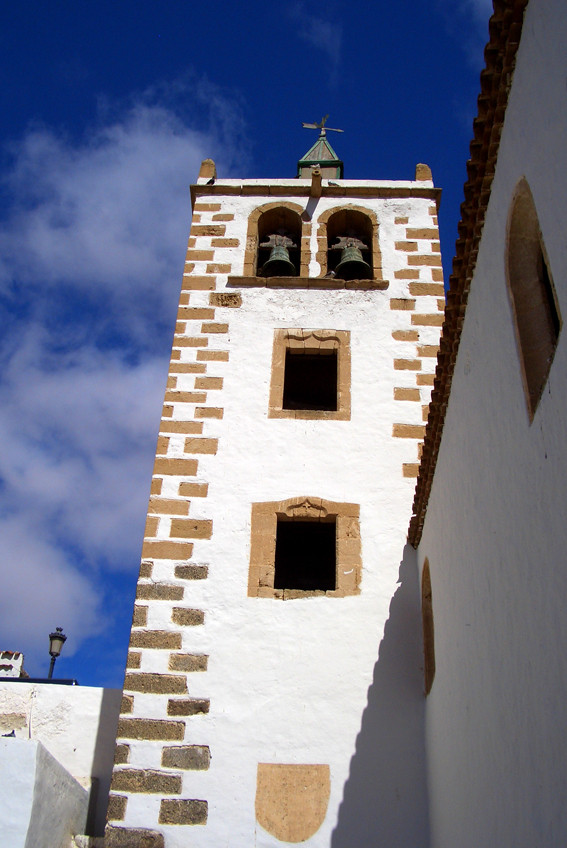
305 555
310 380
304 546
310 375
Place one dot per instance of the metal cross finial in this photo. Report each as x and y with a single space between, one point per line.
321 126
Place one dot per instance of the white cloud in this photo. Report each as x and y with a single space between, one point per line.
467 21
92 253
323 34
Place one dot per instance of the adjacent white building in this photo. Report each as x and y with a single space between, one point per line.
492 491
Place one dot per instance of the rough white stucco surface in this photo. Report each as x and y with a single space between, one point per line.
495 527
76 724
42 805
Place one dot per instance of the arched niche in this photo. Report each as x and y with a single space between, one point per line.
532 294
428 631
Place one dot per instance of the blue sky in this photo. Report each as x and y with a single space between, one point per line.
106 111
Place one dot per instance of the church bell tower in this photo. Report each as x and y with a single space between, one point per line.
300 377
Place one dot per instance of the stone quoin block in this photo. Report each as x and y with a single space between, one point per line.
402 303
159 592
214 328
194 427
166 550
407 364
426 289
422 233
231 300
181 467
157 684
219 268
201 445
200 255
427 320
425 379
146 569
225 242
134 659
407 274
401 393
405 335
188 707
188 662
191 572
212 355
187 368
145 780
427 350
207 230
207 207
191 283
168 506
150 728
132 837
194 490
182 397
127 704
187 617
208 382
433 259
116 809
121 754
183 811
140 616
191 341
163 639
408 431
191 528
209 412
188 757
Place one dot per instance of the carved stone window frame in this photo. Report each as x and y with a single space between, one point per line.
311 341
251 250
322 246
264 521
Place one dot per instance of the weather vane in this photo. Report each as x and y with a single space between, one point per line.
321 126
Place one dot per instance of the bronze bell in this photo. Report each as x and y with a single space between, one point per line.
352 266
279 264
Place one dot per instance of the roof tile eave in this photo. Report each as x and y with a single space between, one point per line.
505 27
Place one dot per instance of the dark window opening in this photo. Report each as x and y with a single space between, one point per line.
552 314
310 381
306 555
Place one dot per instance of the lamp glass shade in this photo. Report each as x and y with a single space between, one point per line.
56 641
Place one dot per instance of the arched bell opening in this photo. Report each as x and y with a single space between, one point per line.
279 243
349 245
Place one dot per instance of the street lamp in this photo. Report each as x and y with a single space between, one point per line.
56 641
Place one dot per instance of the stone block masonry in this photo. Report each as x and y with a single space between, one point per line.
162 665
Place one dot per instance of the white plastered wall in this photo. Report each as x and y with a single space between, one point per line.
495 527
76 724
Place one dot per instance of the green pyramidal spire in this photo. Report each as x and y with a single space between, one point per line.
321 154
